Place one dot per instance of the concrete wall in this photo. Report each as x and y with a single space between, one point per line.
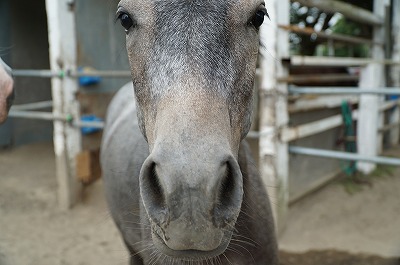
101 42
101 45
24 45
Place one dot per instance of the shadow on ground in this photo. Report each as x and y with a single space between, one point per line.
332 257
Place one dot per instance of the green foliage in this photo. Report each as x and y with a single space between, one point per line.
343 26
346 27
306 17
320 21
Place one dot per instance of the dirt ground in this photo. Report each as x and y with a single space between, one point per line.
330 226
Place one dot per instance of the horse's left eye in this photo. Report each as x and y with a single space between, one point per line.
126 20
258 18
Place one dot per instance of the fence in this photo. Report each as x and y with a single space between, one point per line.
275 133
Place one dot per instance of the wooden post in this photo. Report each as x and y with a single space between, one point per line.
274 154
67 140
368 116
395 70
369 141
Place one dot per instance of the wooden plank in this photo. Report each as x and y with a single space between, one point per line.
312 102
307 79
273 152
350 11
293 133
67 140
88 166
332 36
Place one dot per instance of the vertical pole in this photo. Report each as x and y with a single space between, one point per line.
369 140
395 70
67 140
378 53
368 117
274 155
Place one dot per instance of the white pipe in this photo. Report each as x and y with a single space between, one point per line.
344 155
97 73
48 116
33 106
70 73
344 90
336 61
89 124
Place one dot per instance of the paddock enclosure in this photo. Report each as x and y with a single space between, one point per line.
68 59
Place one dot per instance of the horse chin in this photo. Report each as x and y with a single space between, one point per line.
191 254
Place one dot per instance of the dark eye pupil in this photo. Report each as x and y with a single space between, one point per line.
258 19
126 21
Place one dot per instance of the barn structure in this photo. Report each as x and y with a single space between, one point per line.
68 64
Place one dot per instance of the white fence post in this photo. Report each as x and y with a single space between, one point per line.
395 71
63 56
274 154
378 53
369 140
368 116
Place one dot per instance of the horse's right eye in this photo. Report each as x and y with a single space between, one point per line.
258 18
126 20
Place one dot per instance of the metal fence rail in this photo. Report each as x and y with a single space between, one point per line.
344 155
70 73
344 90
38 115
33 106
49 116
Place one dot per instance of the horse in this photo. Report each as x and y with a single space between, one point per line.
179 179
6 90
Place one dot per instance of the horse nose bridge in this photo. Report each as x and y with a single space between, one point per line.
192 176
190 114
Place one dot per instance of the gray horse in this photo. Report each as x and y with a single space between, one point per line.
6 90
180 181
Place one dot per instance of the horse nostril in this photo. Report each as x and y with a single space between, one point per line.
226 187
230 195
152 192
155 188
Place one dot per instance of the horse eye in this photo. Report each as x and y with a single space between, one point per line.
125 20
258 18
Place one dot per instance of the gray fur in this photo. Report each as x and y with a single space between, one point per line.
186 191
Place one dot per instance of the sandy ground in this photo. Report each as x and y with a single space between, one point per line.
339 227
34 232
